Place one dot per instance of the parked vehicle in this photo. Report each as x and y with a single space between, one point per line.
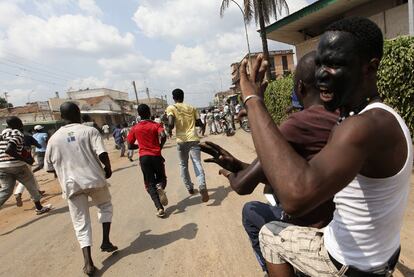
244 124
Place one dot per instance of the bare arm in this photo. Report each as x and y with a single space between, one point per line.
245 181
171 123
11 150
301 185
163 139
104 158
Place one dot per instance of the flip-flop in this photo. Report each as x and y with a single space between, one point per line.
91 272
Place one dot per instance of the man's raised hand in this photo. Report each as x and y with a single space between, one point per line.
255 84
221 157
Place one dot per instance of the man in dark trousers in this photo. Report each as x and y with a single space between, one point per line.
307 131
151 138
366 164
77 152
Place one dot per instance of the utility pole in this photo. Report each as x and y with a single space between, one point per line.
136 93
149 99
6 96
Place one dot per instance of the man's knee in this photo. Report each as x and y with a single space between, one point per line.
248 212
105 212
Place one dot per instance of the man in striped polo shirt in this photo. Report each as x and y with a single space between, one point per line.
13 165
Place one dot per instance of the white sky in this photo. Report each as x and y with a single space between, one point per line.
54 45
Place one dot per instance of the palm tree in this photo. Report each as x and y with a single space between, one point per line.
262 11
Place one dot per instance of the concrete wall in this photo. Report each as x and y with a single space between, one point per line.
393 22
279 64
115 94
306 47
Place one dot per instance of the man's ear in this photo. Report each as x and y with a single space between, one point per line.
300 91
373 66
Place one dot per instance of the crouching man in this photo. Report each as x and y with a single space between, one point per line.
76 152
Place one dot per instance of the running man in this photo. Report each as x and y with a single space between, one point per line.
151 138
15 167
41 137
184 117
76 152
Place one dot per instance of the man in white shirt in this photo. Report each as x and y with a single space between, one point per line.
105 129
76 152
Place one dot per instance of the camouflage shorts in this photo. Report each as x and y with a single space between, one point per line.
302 247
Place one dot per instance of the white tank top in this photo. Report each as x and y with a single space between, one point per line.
365 229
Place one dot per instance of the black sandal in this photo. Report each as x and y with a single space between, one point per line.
109 248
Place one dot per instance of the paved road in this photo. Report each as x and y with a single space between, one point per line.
197 239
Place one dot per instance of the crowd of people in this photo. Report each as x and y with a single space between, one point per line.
337 178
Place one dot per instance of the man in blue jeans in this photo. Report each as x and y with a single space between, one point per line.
185 118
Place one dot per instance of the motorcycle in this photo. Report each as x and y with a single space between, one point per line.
244 124
225 126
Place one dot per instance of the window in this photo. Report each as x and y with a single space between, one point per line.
285 63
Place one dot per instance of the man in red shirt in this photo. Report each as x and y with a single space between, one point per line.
151 138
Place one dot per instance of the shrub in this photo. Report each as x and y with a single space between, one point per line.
277 97
396 77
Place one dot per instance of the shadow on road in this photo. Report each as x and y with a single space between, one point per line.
52 212
146 241
125 167
406 271
216 194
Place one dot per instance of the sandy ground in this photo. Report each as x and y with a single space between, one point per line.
196 239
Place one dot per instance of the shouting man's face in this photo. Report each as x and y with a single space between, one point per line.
338 69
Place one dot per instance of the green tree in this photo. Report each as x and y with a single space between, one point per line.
4 104
396 77
262 11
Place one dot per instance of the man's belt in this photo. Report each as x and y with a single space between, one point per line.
386 271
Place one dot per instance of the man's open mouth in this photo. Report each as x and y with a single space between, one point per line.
325 94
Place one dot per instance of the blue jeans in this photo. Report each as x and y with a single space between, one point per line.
192 149
254 216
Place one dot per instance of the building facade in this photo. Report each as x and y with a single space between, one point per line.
97 92
304 27
281 63
157 105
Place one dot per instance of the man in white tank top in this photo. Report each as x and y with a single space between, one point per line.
366 165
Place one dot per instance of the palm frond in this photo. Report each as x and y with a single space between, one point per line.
249 10
224 5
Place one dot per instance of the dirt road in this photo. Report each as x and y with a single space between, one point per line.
197 239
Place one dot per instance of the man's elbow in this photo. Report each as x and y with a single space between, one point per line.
297 205
240 189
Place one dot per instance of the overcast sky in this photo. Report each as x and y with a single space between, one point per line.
56 45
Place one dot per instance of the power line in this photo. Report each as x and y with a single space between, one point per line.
33 71
41 64
33 79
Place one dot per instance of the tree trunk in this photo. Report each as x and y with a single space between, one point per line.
264 40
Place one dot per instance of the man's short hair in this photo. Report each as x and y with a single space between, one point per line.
144 111
367 34
14 122
305 69
178 94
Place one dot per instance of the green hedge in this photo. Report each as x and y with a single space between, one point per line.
277 97
395 83
396 77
